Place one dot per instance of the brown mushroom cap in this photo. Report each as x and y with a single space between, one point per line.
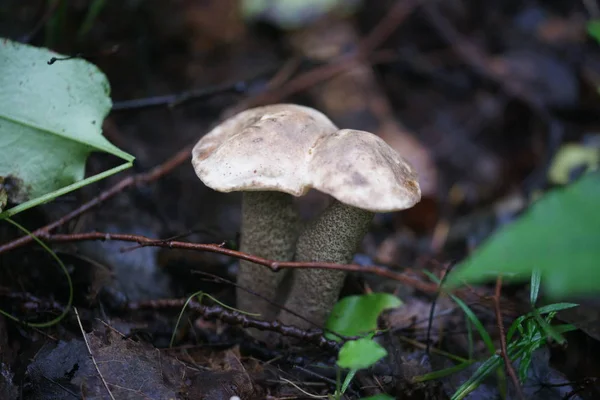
291 149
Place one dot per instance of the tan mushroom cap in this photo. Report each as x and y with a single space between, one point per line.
291 149
359 169
261 149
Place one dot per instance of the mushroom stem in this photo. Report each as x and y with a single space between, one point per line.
270 228
332 237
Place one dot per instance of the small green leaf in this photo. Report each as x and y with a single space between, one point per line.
50 120
360 354
357 315
379 396
559 236
593 29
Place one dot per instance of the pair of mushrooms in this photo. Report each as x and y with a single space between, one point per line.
276 152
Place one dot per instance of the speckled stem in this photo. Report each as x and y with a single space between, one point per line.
332 237
270 228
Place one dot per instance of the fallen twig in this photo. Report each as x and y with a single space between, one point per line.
236 318
218 248
92 354
507 362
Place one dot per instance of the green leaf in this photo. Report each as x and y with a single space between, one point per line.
357 315
559 236
593 29
379 396
360 354
50 121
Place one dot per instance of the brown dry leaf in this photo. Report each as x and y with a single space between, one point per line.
414 316
228 378
131 370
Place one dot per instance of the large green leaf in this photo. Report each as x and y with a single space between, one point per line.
357 315
559 235
50 120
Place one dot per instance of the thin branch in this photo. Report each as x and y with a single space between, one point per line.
217 248
386 26
92 354
507 363
236 318
218 279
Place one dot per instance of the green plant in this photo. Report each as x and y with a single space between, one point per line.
527 333
50 121
356 355
559 236
357 315
593 29
353 316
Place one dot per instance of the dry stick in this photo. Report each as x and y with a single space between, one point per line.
387 25
218 279
216 248
92 354
236 318
507 363
143 178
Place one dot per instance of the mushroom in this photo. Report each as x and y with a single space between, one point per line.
263 152
364 175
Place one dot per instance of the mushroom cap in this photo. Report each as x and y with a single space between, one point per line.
291 149
261 149
358 168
